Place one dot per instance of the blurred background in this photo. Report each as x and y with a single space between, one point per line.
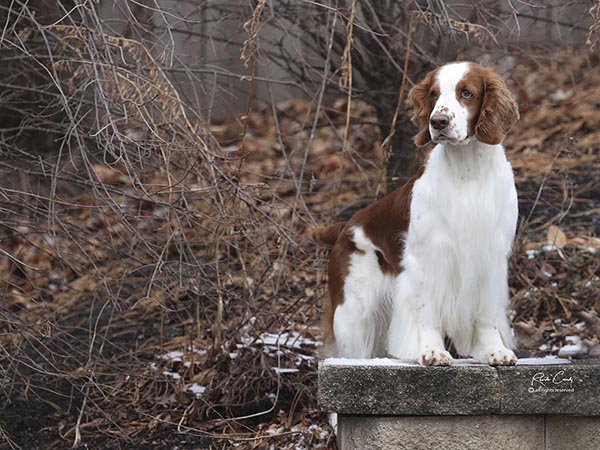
163 161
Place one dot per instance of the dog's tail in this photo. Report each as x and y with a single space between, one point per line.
329 234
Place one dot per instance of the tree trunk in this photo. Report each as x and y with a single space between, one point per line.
404 160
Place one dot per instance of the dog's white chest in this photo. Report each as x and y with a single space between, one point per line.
463 215
463 205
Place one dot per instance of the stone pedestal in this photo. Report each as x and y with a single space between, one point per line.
539 404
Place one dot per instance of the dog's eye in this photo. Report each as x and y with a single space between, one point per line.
465 94
433 95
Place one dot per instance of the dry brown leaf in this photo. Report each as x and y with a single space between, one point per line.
333 163
556 236
528 334
586 242
109 175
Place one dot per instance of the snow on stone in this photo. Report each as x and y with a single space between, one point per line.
460 362
365 362
468 362
545 361
390 362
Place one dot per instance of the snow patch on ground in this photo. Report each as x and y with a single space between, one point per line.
290 346
291 339
196 389
573 347
282 370
531 254
177 355
174 355
173 375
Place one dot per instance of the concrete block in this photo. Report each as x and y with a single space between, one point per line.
572 389
388 389
442 432
572 433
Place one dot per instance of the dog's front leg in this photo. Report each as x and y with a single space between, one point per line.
431 340
491 348
492 327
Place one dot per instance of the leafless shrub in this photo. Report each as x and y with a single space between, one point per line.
141 221
149 248
594 32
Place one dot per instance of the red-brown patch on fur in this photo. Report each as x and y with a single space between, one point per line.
499 112
337 271
385 223
420 100
473 82
328 235
492 111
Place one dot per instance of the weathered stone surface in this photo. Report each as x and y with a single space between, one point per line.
443 432
384 388
556 389
530 406
408 389
572 433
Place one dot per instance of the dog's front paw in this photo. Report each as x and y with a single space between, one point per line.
435 357
502 357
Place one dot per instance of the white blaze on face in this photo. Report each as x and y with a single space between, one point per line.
448 103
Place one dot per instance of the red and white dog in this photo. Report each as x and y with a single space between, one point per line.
430 259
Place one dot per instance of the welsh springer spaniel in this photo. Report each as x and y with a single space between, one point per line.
429 260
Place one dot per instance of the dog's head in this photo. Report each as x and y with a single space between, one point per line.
461 101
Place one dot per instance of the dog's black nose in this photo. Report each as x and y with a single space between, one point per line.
439 121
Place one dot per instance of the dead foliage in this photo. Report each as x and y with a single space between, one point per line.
165 280
555 154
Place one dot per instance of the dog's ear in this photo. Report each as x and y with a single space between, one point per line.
420 100
499 112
